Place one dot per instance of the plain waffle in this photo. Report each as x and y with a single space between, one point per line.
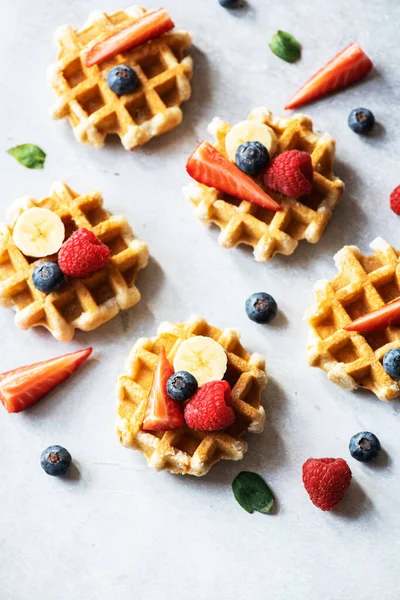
93 110
185 451
269 232
364 284
80 303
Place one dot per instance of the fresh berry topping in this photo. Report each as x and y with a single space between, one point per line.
364 446
211 168
326 480
162 412
23 387
229 3
181 386
122 79
210 409
252 157
395 200
82 254
361 120
391 362
290 173
47 277
377 319
346 68
150 25
55 460
261 307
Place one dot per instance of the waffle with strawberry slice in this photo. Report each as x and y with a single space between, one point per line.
80 303
179 449
364 284
259 223
80 79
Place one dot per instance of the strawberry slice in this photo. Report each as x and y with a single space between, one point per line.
151 25
378 319
211 168
162 412
346 68
23 387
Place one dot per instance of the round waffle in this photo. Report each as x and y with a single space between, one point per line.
364 284
185 451
269 232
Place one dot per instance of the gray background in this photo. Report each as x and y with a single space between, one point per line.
117 530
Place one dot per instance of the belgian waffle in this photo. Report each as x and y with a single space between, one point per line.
364 284
185 451
93 109
269 232
80 303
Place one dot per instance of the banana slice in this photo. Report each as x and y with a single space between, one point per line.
250 131
203 357
38 232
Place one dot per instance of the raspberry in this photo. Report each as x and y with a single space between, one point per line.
395 200
82 254
326 480
290 173
210 409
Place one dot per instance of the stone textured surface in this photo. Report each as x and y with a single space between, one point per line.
114 529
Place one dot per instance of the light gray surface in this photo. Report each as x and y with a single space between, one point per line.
117 530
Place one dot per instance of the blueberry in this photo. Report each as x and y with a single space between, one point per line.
391 362
364 446
181 386
55 460
122 80
252 157
361 120
261 307
229 3
47 277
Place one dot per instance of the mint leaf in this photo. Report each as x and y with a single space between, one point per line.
29 155
252 493
285 46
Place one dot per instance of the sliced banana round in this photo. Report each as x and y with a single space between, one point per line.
38 232
250 131
203 357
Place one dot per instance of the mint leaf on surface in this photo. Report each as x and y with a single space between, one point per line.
252 493
285 46
29 155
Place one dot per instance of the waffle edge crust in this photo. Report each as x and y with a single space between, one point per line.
81 303
185 451
93 110
364 283
267 232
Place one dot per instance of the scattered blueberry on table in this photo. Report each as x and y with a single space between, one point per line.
261 307
361 120
364 446
55 460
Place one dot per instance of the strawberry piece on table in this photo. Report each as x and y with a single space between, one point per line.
378 319
151 25
23 387
208 166
346 68
162 412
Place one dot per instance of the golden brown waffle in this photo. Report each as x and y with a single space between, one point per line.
81 303
93 110
364 284
185 451
269 232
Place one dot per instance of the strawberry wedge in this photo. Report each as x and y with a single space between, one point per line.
346 68
211 168
162 412
378 319
151 25
23 387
